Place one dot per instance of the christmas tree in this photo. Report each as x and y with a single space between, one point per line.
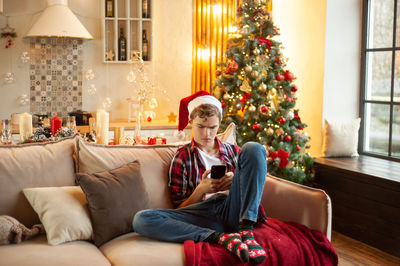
258 94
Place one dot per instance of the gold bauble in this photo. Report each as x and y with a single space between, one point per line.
269 131
226 96
252 108
256 51
255 74
248 68
262 87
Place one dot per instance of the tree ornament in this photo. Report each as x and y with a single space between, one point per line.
256 51
256 126
232 67
239 106
290 115
262 87
226 96
282 155
288 75
270 131
218 72
255 74
298 148
245 86
263 109
288 138
252 108
294 88
282 120
248 68
278 77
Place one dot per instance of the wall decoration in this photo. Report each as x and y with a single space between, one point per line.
55 76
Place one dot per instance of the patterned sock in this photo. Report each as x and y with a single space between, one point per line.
256 252
234 244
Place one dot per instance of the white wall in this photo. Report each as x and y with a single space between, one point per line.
342 59
171 67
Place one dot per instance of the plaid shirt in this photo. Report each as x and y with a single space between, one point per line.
187 169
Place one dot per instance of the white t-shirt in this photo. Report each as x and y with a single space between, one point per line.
208 161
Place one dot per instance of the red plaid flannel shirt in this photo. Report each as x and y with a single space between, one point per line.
187 169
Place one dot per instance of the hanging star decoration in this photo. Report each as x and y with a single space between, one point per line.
172 118
109 55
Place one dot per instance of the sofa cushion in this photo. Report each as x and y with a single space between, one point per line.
114 197
36 251
154 163
133 249
33 165
63 212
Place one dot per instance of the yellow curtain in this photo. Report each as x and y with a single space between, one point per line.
212 20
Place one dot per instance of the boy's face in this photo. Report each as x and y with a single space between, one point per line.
204 130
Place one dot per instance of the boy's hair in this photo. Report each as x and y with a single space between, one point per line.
204 111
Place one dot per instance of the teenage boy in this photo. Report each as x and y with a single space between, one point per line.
221 211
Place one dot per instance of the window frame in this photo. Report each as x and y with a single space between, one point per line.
363 75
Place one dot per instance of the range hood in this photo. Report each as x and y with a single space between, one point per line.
57 20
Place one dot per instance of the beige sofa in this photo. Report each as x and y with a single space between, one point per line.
55 165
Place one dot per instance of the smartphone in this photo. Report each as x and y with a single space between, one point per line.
218 171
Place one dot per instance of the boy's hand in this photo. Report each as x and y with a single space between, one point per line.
224 183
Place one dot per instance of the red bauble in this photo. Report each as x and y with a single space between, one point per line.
278 77
256 126
288 138
223 105
298 147
232 67
288 75
218 72
264 109
149 119
294 88
282 120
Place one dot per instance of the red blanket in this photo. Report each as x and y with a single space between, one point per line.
286 243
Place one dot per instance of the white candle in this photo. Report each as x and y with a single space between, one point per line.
102 125
25 126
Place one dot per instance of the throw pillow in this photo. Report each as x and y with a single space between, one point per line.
62 211
341 138
114 197
229 135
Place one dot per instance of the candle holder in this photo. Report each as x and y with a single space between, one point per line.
6 131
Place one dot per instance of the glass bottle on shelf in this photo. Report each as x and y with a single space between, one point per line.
121 46
145 8
145 46
109 8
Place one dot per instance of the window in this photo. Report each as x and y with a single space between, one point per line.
380 79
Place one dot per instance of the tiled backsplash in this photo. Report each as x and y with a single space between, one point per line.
55 76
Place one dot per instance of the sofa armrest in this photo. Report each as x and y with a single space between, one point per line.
293 202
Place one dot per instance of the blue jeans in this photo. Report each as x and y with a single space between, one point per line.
221 213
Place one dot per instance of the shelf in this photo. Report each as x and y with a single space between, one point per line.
127 16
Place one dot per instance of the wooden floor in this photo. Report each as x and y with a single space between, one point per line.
353 252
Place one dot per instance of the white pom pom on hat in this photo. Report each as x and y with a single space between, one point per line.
188 104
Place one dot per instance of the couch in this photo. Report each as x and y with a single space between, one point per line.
55 165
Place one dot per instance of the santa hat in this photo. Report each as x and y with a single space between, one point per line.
188 104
